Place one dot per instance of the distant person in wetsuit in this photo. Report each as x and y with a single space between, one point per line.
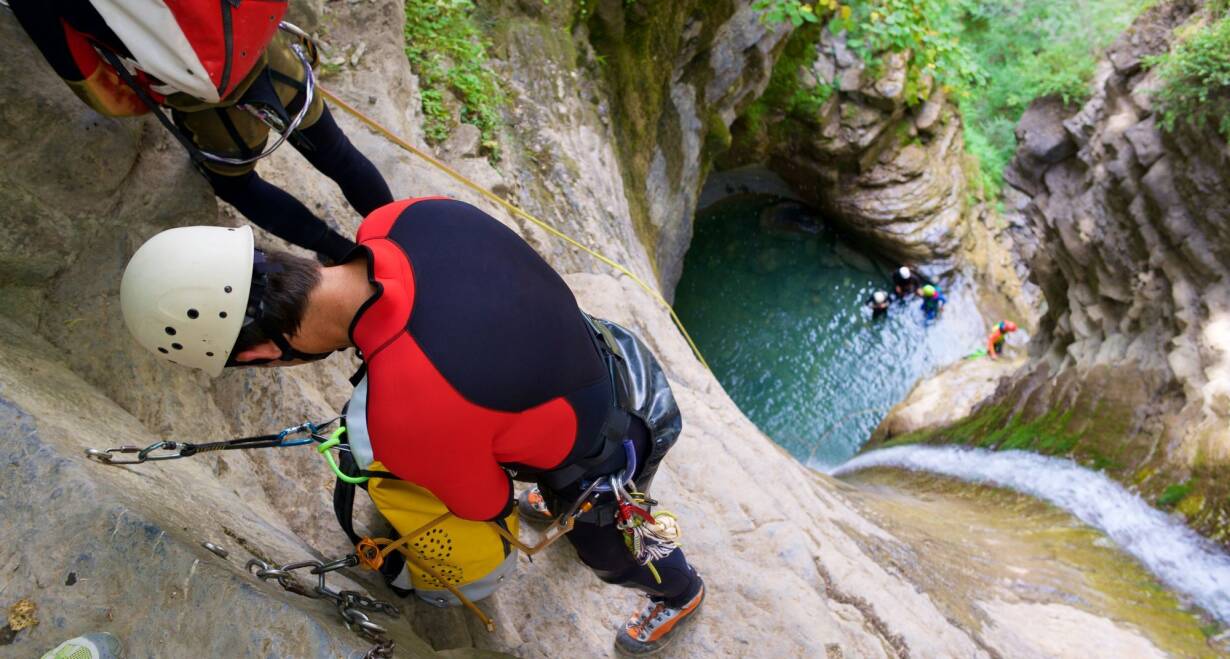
906 283
933 301
999 335
879 305
477 362
77 41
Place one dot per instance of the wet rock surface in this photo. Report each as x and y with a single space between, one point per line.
992 555
692 67
1123 227
947 396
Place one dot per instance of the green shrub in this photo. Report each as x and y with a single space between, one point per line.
1195 78
993 56
928 29
1028 50
448 52
1174 494
780 11
924 28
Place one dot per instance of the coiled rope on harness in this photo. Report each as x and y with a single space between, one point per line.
515 210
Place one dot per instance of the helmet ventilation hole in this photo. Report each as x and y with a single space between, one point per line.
193 314
222 314
209 354
177 346
163 350
227 289
170 331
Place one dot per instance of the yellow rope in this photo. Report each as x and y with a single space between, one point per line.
514 209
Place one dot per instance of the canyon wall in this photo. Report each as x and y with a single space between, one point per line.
793 566
1123 227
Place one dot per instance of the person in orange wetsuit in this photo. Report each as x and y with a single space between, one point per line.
999 334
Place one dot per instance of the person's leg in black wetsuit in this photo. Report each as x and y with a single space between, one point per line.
331 153
234 132
276 211
601 547
273 209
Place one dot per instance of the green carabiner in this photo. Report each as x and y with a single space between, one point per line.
323 449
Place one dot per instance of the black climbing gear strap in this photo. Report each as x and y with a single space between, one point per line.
171 450
195 153
614 428
272 113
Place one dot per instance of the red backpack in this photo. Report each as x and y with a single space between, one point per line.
200 47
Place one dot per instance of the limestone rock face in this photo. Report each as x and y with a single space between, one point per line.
946 397
882 169
692 67
1124 229
790 562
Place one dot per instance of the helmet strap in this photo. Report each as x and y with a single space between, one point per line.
261 268
289 353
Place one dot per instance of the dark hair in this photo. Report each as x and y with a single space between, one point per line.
279 296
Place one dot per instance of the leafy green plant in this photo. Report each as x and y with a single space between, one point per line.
926 29
1173 494
992 56
1195 77
448 52
1027 50
781 11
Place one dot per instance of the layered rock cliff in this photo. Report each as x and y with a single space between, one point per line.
847 135
793 567
1123 227
882 157
678 74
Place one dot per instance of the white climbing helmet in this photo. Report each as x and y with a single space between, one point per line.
904 272
880 297
185 291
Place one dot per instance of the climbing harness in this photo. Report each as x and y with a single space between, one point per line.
352 605
515 210
262 111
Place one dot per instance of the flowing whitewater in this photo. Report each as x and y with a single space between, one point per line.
1174 553
776 302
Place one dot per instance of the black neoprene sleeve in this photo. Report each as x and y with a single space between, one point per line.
42 22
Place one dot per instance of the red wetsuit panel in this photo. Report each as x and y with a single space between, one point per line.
446 410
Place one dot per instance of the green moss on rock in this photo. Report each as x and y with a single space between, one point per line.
638 43
1173 494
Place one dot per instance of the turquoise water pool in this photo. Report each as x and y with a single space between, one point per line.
778 310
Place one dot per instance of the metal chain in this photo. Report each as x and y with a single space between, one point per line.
352 605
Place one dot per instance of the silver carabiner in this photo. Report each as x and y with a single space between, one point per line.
107 456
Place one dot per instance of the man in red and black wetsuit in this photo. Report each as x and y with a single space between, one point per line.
478 364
